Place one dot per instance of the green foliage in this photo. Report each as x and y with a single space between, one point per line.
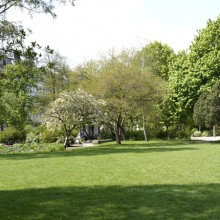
31 148
136 135
13 38
156 58
197 134
179 131
199 114
195 72
162 134
183 132
11 135
128 90
206 133
52 136
31 137
106 135
207 108
17 83
56 77
182 90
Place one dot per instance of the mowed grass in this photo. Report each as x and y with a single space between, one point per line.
137 180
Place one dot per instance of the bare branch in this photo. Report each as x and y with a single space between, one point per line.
33 6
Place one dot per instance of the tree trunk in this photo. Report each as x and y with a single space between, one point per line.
214 130
118 133
144 127
1 127
66 142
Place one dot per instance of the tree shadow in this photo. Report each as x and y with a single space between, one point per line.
113 202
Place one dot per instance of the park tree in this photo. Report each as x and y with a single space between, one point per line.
200 111
126 89
207 108
17 84
12 35
56 77
182 86
194 72
19 74
155 57
73 110
13 47
204 55
87 70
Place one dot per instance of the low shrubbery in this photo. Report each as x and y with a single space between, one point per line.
52 136
206 133
136 135
31 139
11 135
197 134
106 134
29 148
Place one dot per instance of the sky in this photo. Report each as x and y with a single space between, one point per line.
93 27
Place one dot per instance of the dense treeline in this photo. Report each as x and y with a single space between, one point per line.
152 92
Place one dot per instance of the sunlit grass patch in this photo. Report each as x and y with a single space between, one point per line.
137 180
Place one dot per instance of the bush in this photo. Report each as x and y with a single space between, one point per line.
32 138
162 134
205 133
33 133
197 134
136 135
11 135
31 148
52 136
106 135
184 132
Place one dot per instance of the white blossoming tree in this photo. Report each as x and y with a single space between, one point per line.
73 109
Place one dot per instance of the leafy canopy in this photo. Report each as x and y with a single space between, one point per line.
194 72
207 108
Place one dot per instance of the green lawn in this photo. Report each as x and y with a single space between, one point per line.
138 180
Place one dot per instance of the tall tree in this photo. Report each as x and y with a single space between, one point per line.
195 72
12 37
200 111
207 108
125 87
156 57
56 76
17 83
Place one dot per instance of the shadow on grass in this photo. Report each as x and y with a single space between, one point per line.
113 202
99 150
